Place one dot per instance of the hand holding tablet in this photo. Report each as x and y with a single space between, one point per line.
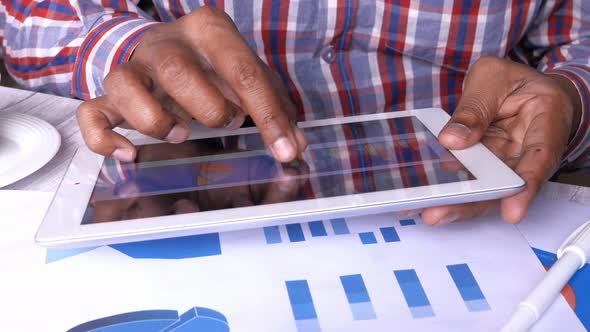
529 119
227 180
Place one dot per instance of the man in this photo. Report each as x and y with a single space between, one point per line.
277 61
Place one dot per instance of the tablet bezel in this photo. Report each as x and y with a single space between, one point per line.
62 226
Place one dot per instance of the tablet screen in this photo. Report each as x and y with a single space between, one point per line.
238 171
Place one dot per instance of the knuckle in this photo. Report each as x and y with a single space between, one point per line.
152 125
83 110
205 12
475 110
489 62
127 77
157 34
150 35
214 114
172 68
247 75
94 140
268 120
218 16
209 20
118 78
86 112
488 68
539 103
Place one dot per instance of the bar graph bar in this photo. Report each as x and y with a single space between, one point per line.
414 293
368 238
389 234
306 318
295 232
358 297
407 222
468 287
272 234
317 228
340 227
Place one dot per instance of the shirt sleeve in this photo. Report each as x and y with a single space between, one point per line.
559 43
66 47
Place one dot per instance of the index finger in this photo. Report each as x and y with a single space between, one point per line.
232 59
97 118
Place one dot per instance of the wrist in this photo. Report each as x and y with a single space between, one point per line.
106 46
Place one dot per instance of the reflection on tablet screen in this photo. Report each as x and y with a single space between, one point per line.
237 171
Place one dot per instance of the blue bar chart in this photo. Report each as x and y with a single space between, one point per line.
361 304
407 222
358 297
389 234
272 234
295 232
368 238
468 287
414 293
316 228
339 226
302 306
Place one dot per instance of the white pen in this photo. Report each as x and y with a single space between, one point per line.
571 256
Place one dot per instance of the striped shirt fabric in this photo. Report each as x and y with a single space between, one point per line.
336 57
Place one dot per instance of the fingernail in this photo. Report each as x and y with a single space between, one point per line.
457 129
235 122
449 218
283 150
178 134
125 155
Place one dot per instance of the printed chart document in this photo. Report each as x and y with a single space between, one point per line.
372 273
559 210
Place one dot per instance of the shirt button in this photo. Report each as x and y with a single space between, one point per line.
328 54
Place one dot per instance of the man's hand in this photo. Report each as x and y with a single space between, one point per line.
525 117
197 67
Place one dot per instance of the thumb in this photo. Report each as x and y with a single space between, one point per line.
485 88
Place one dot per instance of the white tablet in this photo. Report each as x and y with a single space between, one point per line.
227 180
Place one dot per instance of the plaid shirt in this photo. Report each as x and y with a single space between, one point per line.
336 57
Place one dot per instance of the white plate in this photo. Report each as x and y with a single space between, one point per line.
26 144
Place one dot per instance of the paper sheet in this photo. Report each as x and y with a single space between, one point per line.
558 210
371 273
